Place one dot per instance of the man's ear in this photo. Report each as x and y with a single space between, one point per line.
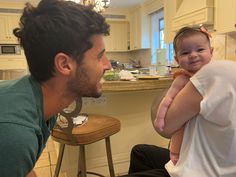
63 64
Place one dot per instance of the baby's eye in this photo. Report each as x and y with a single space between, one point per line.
200 49
184 53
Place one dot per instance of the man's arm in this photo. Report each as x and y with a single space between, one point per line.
185 105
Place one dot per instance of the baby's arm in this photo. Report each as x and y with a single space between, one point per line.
176 86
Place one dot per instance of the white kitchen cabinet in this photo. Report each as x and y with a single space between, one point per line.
12 63
169 12
225 16
7 23
193 13
118 39
139 29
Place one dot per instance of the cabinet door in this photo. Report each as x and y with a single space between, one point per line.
225 16
135 29
169 13
118 38
3 29
139 29
13 22
6 64
7 23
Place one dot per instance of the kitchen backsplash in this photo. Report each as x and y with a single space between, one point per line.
218 42
144 56
231 47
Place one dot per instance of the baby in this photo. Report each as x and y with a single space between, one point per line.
192 51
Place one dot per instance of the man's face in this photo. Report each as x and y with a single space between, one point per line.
86 80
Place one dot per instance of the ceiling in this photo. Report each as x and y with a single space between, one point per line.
125 3
114 3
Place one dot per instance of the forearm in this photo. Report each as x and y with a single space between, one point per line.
185 105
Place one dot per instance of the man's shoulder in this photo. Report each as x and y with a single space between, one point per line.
218 65
18 149
221 68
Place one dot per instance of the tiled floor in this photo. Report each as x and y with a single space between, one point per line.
45 166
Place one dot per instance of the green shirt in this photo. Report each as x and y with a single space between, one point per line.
23 130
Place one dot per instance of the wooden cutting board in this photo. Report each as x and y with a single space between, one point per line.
146 77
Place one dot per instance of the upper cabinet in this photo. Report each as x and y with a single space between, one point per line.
193 13
169 12
7 23
139 29
118 40
225 16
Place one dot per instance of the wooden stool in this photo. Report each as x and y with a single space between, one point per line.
97 127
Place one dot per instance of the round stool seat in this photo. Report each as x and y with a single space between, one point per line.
97 127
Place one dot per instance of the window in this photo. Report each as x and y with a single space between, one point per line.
157 21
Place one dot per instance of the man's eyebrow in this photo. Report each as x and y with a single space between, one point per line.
101 53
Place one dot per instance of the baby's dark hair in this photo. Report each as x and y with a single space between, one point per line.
188 31
57 26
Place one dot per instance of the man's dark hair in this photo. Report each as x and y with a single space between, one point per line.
56 26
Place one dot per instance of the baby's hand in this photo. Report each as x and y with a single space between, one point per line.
159 123
161 113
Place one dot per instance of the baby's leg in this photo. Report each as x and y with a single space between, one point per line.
174 157
175 145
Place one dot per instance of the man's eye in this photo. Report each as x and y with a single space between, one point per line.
100 56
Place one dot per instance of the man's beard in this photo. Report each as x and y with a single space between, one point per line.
80 86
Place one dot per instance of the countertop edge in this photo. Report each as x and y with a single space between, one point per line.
138 85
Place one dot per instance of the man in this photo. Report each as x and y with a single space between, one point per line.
63 44
207 106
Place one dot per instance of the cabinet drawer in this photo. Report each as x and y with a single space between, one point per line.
12 64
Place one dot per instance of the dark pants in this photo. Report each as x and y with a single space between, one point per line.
148 161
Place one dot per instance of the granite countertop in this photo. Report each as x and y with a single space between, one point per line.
138 85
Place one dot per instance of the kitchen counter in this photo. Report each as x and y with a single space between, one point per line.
138 85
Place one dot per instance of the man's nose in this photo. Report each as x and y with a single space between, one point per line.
106 63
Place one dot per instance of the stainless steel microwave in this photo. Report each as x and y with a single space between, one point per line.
10 49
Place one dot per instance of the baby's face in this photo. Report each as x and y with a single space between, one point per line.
193 52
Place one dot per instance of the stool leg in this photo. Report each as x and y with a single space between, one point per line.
109 157
59 159
82 162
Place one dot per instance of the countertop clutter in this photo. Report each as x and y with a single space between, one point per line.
135 74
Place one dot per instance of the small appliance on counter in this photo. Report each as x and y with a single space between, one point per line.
161 62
